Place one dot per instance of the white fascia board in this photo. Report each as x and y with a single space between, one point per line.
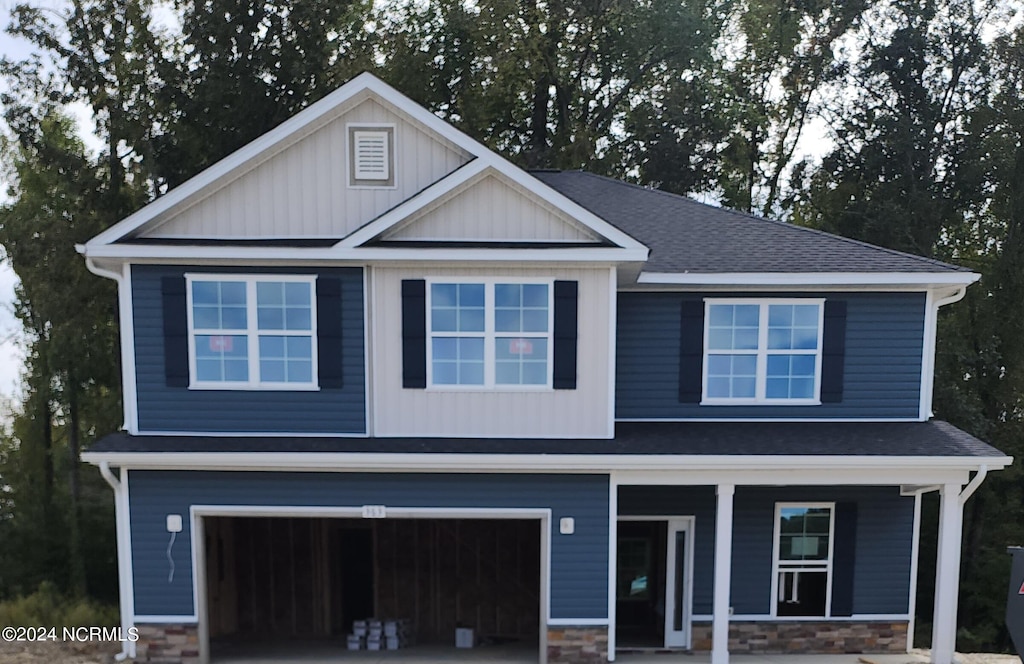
757 279
806 469
361 255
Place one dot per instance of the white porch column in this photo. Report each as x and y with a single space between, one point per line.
723 574
947 575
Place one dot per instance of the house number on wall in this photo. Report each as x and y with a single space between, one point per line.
375 512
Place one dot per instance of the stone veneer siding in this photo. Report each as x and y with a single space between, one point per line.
168 644
577 645
808 637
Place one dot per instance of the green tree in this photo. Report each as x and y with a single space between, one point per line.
71 377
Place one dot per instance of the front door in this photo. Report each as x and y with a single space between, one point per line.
653 582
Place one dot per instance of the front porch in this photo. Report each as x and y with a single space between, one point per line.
780 560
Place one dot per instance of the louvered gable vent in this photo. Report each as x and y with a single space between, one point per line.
371 156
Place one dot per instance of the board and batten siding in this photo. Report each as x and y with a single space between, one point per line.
492 210
179 409
493 413
882 559
579 562
303 192
882 365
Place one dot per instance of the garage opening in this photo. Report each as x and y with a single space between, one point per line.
278 587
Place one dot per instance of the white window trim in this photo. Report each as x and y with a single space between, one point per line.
252 332
762 354
352 181
777 531
490 335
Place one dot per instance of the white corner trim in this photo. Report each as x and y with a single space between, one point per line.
915 555
613 552
921 279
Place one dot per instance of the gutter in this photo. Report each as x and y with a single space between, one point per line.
460 462
124 590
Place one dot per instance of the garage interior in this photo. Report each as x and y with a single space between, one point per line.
301 582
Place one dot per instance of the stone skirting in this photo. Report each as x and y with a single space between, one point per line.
577 645
808 637
167 644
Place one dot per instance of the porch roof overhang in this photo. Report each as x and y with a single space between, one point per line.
648 452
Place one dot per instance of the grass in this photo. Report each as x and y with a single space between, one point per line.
47 608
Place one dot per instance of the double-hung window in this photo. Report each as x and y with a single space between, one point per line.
803 559
489 333
252 331
762 351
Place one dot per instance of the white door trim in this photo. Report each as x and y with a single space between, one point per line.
680 638
675 523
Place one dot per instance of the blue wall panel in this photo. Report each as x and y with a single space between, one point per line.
579 562
884 342
163 408
884 539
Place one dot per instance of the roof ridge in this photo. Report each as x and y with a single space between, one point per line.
754 217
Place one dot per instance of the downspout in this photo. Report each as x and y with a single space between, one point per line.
931 331
91 265
123 589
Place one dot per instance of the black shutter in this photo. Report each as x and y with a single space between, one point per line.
833 351
414 333
172 290
566 335
328 333
843 558
691 351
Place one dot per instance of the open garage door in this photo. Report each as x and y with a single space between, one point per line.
278 584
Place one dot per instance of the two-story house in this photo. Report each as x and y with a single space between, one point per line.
372 369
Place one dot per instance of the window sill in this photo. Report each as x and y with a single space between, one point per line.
248 387
763 402
496 389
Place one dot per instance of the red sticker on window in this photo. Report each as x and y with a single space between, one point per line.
222 344
520 347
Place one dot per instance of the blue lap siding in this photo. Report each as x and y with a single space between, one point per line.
882 366
885 522
163 408
579 562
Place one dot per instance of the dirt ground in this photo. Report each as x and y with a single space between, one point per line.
63 653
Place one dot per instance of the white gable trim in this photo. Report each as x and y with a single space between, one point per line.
437 195
315 116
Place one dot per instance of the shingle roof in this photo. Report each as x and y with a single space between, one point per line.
687 236
924 439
